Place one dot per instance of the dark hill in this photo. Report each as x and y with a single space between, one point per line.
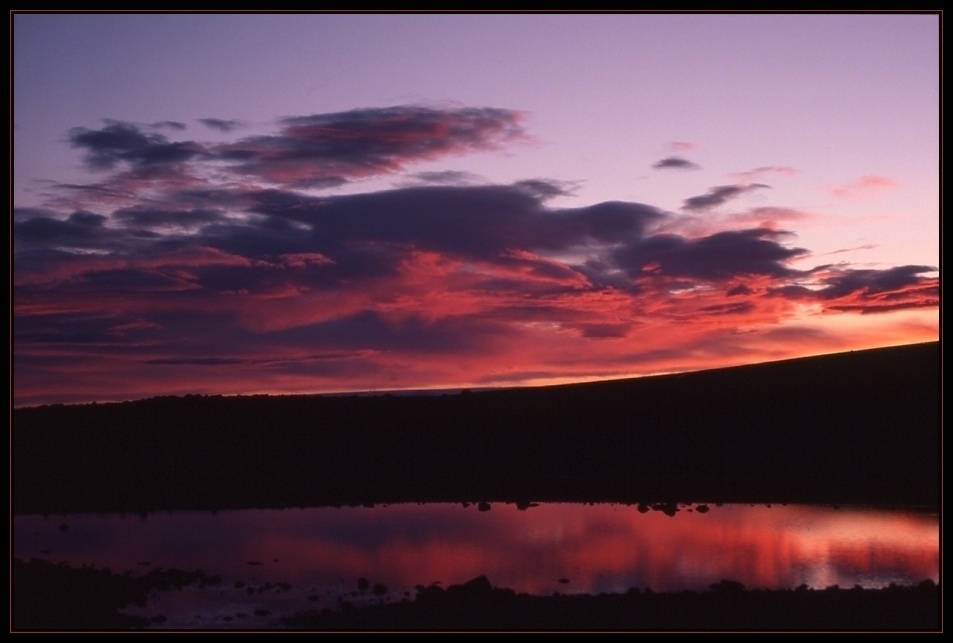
859 427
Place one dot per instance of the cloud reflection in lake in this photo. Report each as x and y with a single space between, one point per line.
548 548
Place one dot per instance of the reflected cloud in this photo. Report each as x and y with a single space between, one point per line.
598 548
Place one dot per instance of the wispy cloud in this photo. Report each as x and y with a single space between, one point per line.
176 125
718 195
870 291
446 177
863 187
219 124
760 173
311 150
683 146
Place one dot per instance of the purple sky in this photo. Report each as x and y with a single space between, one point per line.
307 203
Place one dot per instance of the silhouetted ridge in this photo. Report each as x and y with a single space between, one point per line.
858 427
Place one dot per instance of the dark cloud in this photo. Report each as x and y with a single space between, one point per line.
133 280
367 237
740 289
368 142
87 219
871 282
98 191
447 177
176 125
474 221
126 143
25 214
869 291
220 124
614 222
73 328
80 230
738 308
290 240
719 256
875 308
153 217
320 151
675 163
718 195
604 331
544 189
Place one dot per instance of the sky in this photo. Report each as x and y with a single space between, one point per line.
315 203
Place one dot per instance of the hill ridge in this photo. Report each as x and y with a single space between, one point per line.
859 427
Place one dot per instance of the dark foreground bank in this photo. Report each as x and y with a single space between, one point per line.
50 597
727 606
853 428
55 597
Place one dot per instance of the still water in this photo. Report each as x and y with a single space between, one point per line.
274 563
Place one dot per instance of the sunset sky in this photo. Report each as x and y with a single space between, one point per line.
242 204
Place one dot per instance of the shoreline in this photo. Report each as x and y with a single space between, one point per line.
55 597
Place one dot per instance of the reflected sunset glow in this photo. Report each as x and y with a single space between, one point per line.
598 547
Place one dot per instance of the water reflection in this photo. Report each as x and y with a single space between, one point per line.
322 552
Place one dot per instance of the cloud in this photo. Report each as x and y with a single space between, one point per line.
79 230
870 283
866 246
446 177
161 218
720 256
758 173
274 259
718 195
118 143
675 163
25 214
738 308
215 267
869 291
176 125
684 146
740 289
220 124
472 222
310 150
545 189
863 187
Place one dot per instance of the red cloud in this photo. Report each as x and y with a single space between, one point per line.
168 278
863 187
683 146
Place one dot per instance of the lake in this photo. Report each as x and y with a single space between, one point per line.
273 563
